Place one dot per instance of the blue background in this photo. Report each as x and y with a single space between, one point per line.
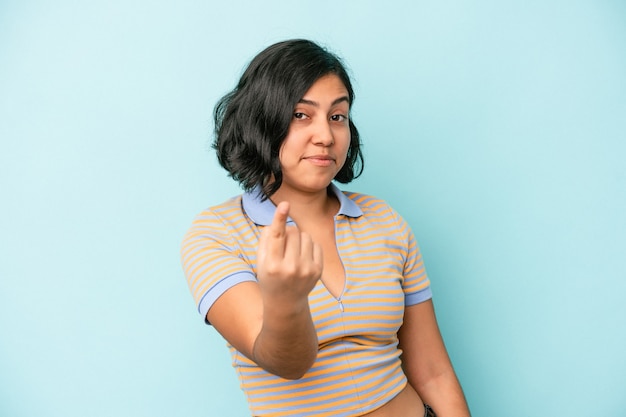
497 128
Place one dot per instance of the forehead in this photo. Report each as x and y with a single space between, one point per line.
328 86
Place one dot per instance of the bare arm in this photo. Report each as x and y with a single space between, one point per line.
427 364
270 321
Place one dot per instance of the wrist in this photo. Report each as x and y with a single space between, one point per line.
285 308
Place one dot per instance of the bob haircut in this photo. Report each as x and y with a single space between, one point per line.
252 121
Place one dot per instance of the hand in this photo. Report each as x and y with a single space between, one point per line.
289 263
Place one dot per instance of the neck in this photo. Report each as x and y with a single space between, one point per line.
308 205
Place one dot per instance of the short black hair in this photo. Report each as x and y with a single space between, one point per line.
252 121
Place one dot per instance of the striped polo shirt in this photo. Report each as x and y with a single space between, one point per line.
358 364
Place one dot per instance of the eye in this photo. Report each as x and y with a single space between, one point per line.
299 116
338 118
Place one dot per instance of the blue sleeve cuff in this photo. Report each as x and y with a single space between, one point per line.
220 288
418 297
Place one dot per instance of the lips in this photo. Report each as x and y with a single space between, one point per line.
320 157
320 160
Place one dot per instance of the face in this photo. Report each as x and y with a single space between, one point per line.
317 144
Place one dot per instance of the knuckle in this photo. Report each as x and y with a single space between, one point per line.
290 270
271 267
312 270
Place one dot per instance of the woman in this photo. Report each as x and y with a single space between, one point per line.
321 295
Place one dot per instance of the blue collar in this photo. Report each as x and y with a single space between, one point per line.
262 212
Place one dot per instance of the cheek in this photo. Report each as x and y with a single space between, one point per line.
285 148
344 152
285 153
281 151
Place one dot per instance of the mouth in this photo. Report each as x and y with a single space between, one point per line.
320 157
320 160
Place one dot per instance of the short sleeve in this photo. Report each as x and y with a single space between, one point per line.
212 260
416 283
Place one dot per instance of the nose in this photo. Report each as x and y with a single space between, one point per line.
323 134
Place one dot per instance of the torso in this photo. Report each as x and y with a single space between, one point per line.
323 233
345 283
334 274
405 404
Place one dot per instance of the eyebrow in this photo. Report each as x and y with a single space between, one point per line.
316 104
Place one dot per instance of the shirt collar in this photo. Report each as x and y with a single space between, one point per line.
262 212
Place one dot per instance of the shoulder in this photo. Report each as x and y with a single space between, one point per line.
363 200
378 212
229 209
370 205
220 219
